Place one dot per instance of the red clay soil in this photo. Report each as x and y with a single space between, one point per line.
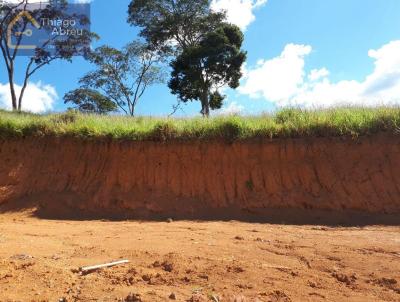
73 178
196 261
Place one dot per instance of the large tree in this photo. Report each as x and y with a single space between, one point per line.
206 50
121 76
173 25
199 71
14 20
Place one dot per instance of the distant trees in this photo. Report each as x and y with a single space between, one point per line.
14 20
90 101
207 50
121 77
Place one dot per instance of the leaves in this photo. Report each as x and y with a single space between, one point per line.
206 49
173 25
90 101
124 75
215 62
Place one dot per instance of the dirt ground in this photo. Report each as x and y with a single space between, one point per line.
196 261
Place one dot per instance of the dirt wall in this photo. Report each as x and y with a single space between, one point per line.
201 179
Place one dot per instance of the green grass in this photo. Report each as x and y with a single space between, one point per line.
351 121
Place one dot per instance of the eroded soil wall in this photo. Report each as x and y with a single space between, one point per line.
193 179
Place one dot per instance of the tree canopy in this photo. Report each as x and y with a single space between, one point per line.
173 24
122 76
206 50
199 71
90 101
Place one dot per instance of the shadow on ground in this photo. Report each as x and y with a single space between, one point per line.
268 216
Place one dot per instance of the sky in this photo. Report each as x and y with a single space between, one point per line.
303 53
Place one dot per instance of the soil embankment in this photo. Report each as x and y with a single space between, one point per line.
260 179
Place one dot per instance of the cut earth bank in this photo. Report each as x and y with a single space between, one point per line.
284 180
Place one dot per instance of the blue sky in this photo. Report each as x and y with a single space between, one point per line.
307 53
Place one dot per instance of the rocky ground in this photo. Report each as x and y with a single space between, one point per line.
196 261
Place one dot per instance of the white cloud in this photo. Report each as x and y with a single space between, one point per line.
279 78
231 109
83 1
283 80
239 12
317 74
38 97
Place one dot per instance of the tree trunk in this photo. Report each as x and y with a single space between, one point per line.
205 105
131 108
12 88
21 95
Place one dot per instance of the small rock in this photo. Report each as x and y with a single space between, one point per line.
197 298
62 299
133 298
235 269
167 266
344 278
172 296
146 278
239 238
170 220
312 284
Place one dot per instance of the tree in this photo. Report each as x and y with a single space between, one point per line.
205 48
173 25
19 15
200 70
90 101
123 75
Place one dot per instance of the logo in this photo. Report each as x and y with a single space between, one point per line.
46 27
27 32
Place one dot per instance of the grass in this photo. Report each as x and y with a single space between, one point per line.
287 123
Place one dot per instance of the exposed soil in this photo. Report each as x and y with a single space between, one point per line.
320 181
196 261
277 180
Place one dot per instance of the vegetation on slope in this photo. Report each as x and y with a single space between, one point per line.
347 121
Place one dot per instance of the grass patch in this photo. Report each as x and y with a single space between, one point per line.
287 123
